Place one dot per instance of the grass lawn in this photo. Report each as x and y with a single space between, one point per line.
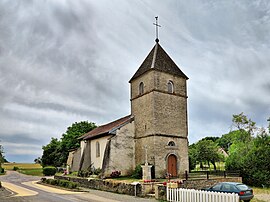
219 165
25 168
261 194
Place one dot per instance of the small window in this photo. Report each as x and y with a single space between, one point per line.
141 88
171 143
97 149
170 87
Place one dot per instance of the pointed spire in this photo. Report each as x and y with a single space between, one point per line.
158 60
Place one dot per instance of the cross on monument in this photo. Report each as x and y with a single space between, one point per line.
146 162
157 25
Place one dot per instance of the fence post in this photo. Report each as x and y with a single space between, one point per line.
207 175
186 175
224 174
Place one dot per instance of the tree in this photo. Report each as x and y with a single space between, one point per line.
256 163
38 160
1 156
56 152
249 152
69 140
52 153
205 151
228 139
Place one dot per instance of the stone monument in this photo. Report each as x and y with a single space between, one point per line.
146 169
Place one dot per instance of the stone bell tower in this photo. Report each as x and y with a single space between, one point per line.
159 106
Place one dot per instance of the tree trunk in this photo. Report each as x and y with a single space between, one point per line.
214 164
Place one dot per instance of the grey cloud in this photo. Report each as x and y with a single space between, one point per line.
63 61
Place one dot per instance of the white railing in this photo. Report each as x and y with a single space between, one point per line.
192 195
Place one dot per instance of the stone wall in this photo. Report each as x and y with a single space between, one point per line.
105 185
120 156
76 160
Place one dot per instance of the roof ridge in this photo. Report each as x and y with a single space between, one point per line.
154 56
106 128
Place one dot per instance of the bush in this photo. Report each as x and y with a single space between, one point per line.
49 171
97 171
137 173
15 168
115 174
2 170
61 183
84 173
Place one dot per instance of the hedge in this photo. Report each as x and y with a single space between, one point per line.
61 183
49 171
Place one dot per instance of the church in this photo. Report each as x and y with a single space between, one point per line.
157 125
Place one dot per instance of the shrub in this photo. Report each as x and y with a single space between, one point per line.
61 183
49 171
115 174
97 171
137 173
15 168
2 170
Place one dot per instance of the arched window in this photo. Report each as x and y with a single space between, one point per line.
141 88
170 87
97 149
171 143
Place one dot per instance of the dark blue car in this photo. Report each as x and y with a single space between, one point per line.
245 193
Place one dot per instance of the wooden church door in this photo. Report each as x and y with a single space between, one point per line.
172 165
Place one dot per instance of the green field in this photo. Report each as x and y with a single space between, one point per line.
25 168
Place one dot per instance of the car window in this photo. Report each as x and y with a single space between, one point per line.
226 187
216 187
233 188
242 187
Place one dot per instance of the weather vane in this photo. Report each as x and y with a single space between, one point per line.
157 25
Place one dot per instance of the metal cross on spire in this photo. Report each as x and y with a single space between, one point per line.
157 25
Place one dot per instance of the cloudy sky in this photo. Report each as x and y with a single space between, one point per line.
65 61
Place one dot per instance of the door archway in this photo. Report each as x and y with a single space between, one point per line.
172 165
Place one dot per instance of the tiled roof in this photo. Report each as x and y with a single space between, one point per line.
159 60
107 128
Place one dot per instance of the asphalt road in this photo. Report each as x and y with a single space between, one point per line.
23 188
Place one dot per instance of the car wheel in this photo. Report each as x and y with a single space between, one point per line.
247 201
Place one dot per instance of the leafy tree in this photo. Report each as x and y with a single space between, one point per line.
228 139
56 152
2 158
205 151
38 160
192 157
52 153
256 164
245 126
249 152
214 139
69 140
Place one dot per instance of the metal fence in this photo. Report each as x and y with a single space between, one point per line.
194 175
192 195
